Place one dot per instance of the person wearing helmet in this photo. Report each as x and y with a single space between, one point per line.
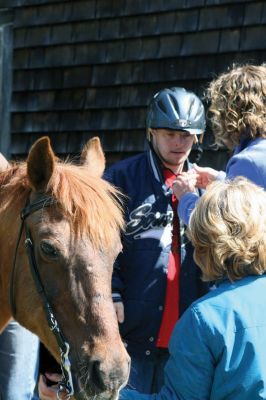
178 114
155 278
237 109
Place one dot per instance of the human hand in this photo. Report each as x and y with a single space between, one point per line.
205 175
184 183
49 392
119 310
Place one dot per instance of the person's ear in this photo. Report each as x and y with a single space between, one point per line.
151 132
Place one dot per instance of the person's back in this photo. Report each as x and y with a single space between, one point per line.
231 323
242 313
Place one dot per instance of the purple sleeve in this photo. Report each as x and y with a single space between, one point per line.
186 206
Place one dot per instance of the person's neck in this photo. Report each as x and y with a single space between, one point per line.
176 169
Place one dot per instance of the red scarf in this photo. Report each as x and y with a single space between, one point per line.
171 305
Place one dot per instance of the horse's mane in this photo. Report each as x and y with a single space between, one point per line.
90 203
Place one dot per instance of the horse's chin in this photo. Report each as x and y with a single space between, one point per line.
84 395
93 393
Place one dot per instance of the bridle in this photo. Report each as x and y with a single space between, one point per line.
66 384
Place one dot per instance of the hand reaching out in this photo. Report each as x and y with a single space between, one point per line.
205 176
49 392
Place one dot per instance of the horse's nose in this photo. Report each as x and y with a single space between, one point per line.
109 378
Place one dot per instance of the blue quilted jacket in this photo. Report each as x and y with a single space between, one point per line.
218 348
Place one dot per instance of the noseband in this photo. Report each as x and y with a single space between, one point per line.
66 383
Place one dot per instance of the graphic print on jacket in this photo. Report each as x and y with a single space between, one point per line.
145 224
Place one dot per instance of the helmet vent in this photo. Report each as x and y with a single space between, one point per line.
162 106
174 104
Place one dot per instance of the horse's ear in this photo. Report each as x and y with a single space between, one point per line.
40 164
4 164
93 156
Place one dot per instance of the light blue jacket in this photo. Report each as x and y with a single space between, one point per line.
218 347
249 160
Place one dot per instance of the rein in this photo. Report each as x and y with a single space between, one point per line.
66 383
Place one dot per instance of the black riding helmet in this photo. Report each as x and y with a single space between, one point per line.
177 109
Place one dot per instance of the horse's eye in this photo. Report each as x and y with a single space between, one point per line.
49 250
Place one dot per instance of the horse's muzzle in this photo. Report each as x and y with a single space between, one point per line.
101 381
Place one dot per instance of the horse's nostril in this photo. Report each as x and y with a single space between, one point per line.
97 375
107 379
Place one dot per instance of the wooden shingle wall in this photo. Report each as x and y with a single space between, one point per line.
89 67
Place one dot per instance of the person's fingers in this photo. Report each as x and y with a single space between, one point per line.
191 177
46 392
184 184
192 171
186 180
209 173
197 168
187 176
53 377
119 309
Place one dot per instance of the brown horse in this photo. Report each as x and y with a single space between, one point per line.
72 221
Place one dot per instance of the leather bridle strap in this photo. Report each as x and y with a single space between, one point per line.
66 383
45 201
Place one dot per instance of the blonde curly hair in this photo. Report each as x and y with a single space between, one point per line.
238 104
228 230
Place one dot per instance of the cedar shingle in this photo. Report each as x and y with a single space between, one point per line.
107 8
109 29
53 56
85 31
202 43
263 14
186 21
150 48
114 51
147 25
253 13
253 38
170 46
230 40
129 27
133 140
221 17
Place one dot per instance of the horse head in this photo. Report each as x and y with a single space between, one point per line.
75 240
